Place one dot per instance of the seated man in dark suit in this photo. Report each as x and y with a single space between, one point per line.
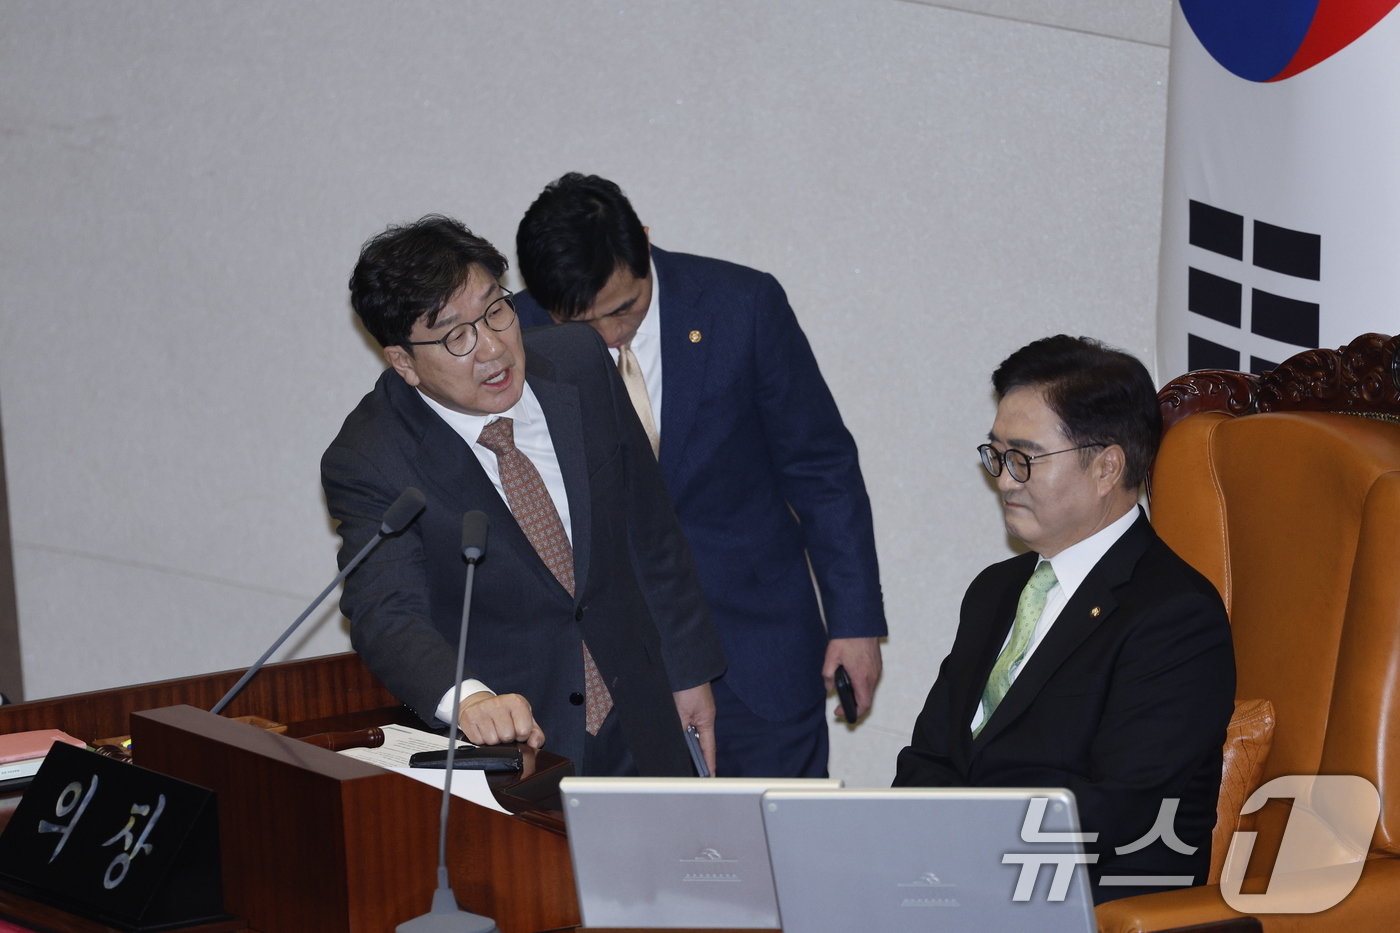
588 627
1101 661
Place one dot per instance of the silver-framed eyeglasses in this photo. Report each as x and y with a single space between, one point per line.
461 340
1018 462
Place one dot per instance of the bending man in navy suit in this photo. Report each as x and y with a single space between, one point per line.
1100 661
762 471
588 628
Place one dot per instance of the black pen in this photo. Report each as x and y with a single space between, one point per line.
692 742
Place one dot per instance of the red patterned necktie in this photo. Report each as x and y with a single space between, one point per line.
534 512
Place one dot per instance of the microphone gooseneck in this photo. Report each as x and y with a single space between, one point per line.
445 916
397 517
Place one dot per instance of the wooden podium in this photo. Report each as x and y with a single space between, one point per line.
315 841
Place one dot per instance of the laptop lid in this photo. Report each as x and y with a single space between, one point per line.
673 852
923 859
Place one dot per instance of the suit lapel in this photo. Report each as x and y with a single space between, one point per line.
683 360
564 415
1091 606
449 466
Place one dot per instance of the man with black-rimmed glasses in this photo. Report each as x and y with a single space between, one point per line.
1099 660
588 633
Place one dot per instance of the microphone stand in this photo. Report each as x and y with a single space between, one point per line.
398 517
445 916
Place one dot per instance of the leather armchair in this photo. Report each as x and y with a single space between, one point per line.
1284 490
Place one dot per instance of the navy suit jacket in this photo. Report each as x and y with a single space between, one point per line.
763 475
637 601
1124 702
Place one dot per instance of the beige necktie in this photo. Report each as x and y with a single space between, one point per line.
1028 610
534 512
636 385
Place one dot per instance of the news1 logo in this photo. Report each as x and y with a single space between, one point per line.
1331 821
1236 296
1324 847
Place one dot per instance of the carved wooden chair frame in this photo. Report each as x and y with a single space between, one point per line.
1361 378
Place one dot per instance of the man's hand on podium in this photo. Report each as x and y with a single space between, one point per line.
487 719
696 706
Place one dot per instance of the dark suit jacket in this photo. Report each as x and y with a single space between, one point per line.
750 435
1124 702
637 602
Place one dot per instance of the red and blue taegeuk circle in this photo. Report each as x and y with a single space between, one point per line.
1270 40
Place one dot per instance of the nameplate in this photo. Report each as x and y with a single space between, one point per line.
123 845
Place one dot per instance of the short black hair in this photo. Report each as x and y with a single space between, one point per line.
1101 395
580 230
413 270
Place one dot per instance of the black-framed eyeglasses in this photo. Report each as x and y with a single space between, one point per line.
1018 462
461 340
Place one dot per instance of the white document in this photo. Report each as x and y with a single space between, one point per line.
400 742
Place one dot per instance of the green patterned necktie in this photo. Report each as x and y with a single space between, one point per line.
1028 610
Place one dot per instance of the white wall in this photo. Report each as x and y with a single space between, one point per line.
186 186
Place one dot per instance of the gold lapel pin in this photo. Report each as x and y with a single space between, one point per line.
1094 613
696 336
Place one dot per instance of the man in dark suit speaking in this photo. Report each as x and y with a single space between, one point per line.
762 471
588 628
1101 661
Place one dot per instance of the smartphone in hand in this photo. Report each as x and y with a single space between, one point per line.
846 693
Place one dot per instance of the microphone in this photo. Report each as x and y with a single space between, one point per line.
445 916
474 536
396 518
